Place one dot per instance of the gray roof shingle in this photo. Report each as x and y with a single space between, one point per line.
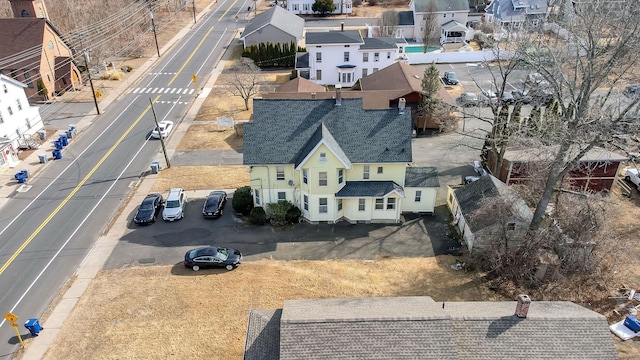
419 328
421 177
376 189
282 131
441 5
263 334
381 43
276 16
334 37
405 18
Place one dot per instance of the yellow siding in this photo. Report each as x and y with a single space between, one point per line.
427 200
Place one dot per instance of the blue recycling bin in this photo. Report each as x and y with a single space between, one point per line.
57 154
63 139
21 177
58 144
33 325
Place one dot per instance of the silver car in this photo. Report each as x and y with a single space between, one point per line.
175 205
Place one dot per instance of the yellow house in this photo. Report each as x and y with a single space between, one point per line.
335 160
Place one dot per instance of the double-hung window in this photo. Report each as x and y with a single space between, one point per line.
323 208
365 172
322 178
379 204
280 173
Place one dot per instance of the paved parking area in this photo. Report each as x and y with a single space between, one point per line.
164 243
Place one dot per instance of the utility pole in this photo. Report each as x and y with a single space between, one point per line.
164 150
153 27
194 11
255 8
86 65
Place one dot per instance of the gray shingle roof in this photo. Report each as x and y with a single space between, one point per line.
441 5
334 37
419 328
376 189
263 334
421 177
282 129
405 18
380 43
278 17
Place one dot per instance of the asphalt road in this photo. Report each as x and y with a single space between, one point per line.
46 232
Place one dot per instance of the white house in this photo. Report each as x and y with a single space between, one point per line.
451 15
18 120
304 6
342 57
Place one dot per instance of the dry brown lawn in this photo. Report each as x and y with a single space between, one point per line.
208 137
201 178
174 313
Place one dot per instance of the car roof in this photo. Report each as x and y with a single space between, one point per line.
217 192
174 193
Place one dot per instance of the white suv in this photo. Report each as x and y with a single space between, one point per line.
175 205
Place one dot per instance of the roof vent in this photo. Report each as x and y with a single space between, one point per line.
522 308
416 76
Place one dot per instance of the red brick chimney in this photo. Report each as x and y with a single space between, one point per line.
522 308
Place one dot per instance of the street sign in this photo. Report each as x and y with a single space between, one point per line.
10 317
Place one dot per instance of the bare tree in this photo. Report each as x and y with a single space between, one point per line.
388 23
431 26
244 80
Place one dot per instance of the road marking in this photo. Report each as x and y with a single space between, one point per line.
229 8
190 56
73 192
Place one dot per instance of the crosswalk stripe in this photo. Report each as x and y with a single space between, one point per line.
191 91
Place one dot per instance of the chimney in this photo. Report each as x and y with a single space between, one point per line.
341 26
401 104
522 308
338 95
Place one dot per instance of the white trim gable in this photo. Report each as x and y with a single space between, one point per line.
347 164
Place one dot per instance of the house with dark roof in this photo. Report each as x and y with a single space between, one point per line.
420 328
336 160
35 52
344 56
276 26
451 16
478 230
516 13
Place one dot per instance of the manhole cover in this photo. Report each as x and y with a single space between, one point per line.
146 261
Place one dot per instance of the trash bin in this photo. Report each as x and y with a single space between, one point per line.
70 134
57 154
20 177
63 139
26 172
58 144
42 134
33 325
155 167
42 158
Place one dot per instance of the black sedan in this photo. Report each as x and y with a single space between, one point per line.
212 256
214 204
148 210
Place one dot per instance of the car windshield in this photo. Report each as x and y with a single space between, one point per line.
146 206
452 76
172 204
222 254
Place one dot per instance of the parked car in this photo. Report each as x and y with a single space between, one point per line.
488 97
536 80
450 78
632 91
211 257
214 204
541 96
507 98
164 128
175 205
632 175
148 210
521 96
468 99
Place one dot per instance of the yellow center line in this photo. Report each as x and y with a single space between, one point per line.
190 56
74 191
229 8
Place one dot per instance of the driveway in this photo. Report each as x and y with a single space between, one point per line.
165 243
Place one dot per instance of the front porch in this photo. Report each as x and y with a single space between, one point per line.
453 32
